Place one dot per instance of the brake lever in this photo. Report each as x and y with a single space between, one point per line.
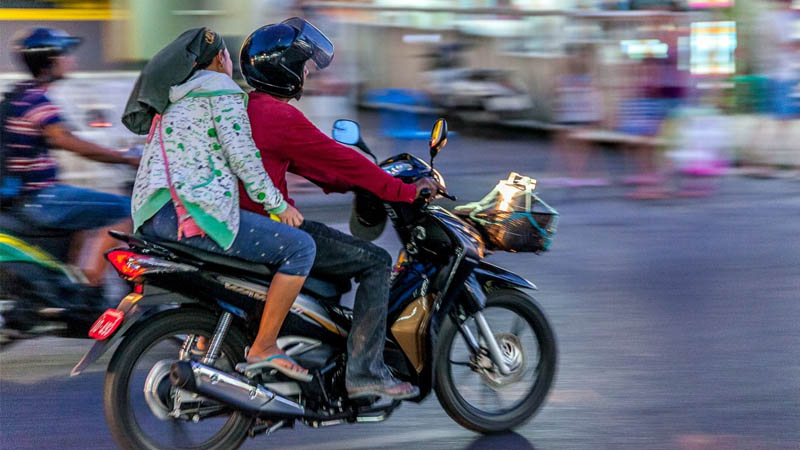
448 196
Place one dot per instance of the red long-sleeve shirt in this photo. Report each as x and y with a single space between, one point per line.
288 141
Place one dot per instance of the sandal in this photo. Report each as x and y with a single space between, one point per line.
269 363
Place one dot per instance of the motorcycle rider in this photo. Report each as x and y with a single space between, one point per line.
31 126
186 188
273 62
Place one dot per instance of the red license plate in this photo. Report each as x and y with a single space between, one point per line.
107 324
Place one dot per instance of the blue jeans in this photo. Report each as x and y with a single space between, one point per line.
340 255
66 207
260 240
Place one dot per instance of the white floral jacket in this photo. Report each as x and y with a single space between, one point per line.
209 146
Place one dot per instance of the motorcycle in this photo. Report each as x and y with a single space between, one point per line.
40 294
471 94
457 325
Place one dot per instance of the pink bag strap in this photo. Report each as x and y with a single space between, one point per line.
187 227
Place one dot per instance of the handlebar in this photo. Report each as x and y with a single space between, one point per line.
426 195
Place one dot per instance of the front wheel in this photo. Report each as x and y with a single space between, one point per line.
470 387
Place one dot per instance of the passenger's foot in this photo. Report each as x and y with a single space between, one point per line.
273 358
394 389
94 277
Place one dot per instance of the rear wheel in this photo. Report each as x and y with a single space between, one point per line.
470 387
141 366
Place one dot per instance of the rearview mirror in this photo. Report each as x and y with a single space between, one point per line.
438 137
347 132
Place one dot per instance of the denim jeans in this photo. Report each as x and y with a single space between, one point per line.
340 255
260 240
67 207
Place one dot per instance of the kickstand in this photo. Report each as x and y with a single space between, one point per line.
267 428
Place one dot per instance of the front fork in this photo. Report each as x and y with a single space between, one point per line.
478 302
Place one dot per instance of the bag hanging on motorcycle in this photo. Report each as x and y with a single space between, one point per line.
512 218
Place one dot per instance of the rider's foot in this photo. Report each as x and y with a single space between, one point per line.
201 343
394 389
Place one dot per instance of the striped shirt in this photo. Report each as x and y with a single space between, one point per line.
26 151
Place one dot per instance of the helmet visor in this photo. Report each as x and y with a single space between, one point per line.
64 41
312 42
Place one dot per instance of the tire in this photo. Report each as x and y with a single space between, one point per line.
460 409
116 401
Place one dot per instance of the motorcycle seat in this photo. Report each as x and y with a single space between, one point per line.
11 224
319 287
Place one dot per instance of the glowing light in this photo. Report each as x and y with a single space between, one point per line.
640 48
507 192
710 3
712 47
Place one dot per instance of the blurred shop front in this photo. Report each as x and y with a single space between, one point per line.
392 42
730 51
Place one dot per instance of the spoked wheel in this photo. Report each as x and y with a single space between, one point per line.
140 402
470 386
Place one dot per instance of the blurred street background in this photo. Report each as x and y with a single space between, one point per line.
665 132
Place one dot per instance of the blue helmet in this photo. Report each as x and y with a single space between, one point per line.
37 48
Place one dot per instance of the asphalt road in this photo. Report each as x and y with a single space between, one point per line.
677 325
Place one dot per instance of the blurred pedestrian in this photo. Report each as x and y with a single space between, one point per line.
697 140
780 29
32 126
655 96
578 106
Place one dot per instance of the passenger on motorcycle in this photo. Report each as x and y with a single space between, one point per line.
30 126
186 187
273 62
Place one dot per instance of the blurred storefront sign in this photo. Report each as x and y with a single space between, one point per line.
644 48
711 3
712 47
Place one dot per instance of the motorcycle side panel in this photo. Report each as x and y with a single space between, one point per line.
409 330
13 249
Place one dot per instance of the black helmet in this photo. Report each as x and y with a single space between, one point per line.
368 216
37 48
273 57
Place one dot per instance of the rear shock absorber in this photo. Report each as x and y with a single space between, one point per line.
223 325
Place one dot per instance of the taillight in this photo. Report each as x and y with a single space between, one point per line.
127 263
107 324
132 265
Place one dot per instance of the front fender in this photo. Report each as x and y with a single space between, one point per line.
134 306
490 274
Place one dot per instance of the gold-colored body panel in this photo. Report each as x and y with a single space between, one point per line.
409 330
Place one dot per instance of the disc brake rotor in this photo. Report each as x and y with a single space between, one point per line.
514 357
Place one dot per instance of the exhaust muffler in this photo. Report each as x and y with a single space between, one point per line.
230 390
